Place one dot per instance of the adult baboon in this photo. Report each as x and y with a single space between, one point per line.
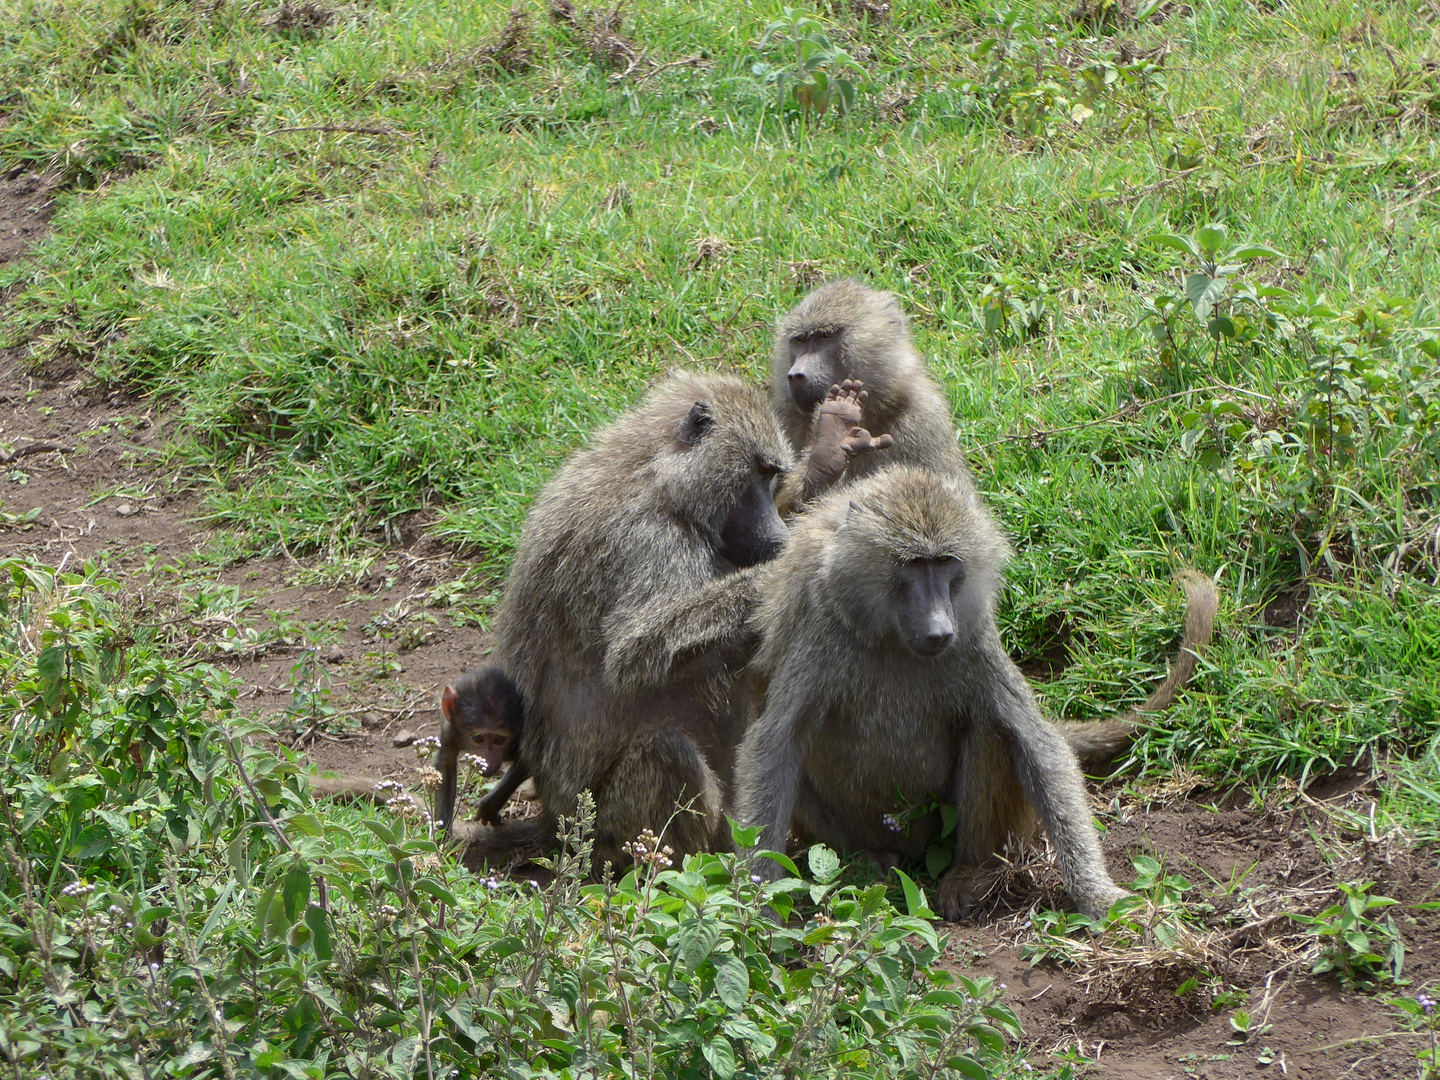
885 690
846 330
623 618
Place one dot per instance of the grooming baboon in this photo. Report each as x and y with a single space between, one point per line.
482 714
846 330
884 690
623 618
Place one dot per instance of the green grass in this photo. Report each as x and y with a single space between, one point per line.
377 266
428 314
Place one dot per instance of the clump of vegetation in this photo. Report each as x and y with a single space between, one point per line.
819 73
176 900
1355 945
510 51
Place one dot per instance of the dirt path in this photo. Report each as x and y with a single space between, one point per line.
98 490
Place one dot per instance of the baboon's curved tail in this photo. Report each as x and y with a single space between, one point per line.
343 787
1097 742
496 845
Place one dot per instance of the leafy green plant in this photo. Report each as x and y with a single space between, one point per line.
1011 311
1357 947
1041 80
171 898
311 708
1420 1012
1157 915
1244 1027
1206 288
819 74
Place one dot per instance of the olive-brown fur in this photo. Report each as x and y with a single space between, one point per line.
856 728
623 622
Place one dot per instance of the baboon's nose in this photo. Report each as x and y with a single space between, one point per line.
797 378
937 639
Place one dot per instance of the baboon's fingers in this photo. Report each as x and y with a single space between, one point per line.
859 441
962 887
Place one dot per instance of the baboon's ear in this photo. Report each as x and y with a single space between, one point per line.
696 423
448 700
853 511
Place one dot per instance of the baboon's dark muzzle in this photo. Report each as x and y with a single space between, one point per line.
754 532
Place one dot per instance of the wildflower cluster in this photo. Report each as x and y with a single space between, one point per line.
647 849
474 761
425 748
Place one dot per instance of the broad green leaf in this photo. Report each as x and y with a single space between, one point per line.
1246 252
1203 291
318 920
1221 326
824 864
782 859
296 890
745 837
966 1065
721 1056
380 829
303 824
1179 243
914 899
221 902
431 887
698 939
746 1030
732 982
1211 238
50 670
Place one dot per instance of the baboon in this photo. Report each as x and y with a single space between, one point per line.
623 618
883 689
482 714
846 330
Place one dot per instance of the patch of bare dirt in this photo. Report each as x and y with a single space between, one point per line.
81 479
25 208
1248 870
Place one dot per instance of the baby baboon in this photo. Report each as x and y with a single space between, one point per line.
482 714
623 619
885 689
846 330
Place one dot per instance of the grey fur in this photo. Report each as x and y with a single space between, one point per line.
624 626
903 400
850 716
